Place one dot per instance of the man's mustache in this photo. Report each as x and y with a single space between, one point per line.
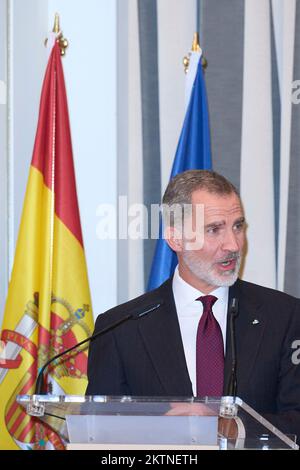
235 255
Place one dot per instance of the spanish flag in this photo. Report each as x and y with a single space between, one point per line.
48 307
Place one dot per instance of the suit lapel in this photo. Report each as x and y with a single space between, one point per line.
162 339
249 327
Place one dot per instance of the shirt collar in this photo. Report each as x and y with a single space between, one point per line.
185 294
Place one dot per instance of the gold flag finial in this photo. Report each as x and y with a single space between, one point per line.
195 48
62 42
56 28
196 45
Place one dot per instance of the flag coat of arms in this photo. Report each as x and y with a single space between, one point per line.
48 307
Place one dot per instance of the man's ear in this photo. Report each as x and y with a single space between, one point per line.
173 238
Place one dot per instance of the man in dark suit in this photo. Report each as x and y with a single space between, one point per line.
182 347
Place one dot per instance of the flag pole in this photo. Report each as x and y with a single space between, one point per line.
198 9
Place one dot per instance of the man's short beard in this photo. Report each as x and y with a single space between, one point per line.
204 271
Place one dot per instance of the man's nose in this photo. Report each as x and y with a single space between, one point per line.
230 242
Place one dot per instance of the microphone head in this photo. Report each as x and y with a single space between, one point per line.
142 311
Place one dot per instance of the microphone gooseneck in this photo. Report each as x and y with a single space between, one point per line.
134 315
233 312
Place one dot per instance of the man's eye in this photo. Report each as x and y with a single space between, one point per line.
239 226
213 229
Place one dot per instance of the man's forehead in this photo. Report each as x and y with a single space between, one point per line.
217 212
218 205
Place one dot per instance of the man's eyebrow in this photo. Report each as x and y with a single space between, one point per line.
221 223
240 219
215 224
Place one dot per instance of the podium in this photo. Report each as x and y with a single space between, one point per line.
114 423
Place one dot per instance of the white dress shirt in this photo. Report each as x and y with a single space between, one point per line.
189 311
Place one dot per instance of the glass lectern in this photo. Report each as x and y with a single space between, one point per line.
103 422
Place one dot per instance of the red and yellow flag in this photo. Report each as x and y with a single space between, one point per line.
48 307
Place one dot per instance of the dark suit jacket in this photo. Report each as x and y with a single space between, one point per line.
145 357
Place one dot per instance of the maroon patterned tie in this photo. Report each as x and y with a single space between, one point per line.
209 352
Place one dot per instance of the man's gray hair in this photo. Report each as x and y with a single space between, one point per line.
178 195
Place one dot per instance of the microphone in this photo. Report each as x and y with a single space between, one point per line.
233 312
134 315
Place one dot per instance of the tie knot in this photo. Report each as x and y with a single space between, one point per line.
207 301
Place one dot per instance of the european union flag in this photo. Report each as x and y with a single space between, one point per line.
193 152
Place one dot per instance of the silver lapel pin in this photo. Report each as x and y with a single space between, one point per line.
255 322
